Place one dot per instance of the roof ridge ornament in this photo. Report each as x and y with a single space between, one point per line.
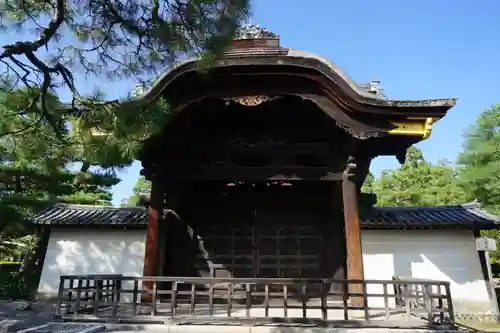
254 31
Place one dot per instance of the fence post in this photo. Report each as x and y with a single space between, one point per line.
451 312
324 306
386 302
345 298
97 295
59 296
428 302
116 295
365 301
78 296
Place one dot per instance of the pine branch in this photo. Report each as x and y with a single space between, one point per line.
126 38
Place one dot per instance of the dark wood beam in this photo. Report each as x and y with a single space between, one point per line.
292 173
287 152
287 149
352 230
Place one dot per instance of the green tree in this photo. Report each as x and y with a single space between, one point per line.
368 184
418 183
33 168
34 174
142 186
479 172
28 189
109 39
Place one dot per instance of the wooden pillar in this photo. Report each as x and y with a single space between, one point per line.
485 263
352 230
334 241
152 253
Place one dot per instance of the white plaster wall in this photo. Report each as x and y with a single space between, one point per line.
94 251
444 255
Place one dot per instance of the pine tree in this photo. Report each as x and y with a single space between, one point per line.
35 172
34 168
112 40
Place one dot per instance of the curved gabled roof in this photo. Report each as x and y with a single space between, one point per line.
292 58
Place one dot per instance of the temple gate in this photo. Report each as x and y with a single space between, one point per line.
258 174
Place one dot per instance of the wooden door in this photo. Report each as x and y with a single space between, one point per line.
267 245
227 243
288 244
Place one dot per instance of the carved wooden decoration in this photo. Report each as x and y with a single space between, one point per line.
250 100
254 31
357 134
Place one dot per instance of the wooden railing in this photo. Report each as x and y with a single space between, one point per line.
121 298
402 291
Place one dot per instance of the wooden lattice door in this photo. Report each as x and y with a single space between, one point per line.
265 244
288 245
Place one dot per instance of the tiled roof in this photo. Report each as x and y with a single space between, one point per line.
439 217
456 216
65 214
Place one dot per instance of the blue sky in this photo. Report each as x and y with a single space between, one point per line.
418 49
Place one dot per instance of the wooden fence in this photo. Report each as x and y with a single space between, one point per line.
254 300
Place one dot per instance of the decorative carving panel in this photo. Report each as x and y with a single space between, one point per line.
358 134
250 100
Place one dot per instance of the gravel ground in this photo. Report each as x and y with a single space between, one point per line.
13 318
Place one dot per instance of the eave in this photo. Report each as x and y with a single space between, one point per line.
305 60
464 217
413 118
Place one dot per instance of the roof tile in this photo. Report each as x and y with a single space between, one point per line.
438 217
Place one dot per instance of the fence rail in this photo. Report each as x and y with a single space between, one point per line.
252 299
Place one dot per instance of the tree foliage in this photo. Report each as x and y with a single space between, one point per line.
418 183
111 40
368 184
108 39
28 189
34 168
142 186
479 171
479 167
476 177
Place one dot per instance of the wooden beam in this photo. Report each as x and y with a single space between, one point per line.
352 231
321 149
232 173
152 253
